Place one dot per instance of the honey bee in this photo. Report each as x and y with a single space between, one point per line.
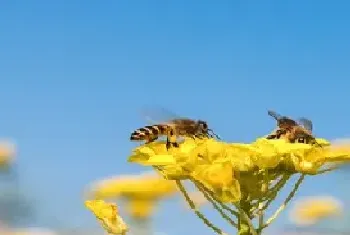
294 131
172 127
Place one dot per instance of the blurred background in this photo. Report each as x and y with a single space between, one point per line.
74 76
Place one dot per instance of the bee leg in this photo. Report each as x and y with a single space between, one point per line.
150 140
176 145
171 139
273 136
168 144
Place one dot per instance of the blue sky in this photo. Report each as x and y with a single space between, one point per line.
74 76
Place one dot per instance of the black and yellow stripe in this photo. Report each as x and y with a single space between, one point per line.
152 133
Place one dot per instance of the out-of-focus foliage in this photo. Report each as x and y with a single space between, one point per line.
7 153
15 207
107 215
140 192
32 231
310 210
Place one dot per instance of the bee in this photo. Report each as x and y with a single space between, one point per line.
294 131
172 127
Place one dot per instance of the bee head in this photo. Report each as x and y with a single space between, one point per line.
304 137
202 125
203 128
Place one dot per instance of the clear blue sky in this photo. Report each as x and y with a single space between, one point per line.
75 74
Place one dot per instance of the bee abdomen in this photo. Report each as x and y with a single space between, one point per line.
148 132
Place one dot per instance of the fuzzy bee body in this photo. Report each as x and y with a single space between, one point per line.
172 129
149 133
292 131
299 135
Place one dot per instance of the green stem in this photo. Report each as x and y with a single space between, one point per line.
245 226
196 211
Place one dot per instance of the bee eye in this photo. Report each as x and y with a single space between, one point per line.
301 140
203 125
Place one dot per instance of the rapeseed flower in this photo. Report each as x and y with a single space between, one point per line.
107 215
221 166
141 192
247 176
310 210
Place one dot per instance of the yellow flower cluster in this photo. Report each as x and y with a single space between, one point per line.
226 169
107 215
312 209
133 186
140 191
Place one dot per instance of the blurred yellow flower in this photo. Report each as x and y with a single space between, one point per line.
107 215
31 231
141 191
310 210
143 186
7 152
140 208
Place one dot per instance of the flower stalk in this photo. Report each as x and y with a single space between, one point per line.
245 224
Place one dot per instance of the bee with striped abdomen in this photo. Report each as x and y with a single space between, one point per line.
172 128
294 131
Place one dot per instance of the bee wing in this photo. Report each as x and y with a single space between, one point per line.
306 123
157 115
274 114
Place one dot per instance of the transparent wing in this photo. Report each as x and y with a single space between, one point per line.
306 123
274 114
156 115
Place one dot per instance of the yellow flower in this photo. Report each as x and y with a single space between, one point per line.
140 208
218 178
341 147
7 151
31 231
226 168
140 191
173 163
143 186
107 215
312 209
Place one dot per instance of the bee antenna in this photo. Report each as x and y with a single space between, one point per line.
213 134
